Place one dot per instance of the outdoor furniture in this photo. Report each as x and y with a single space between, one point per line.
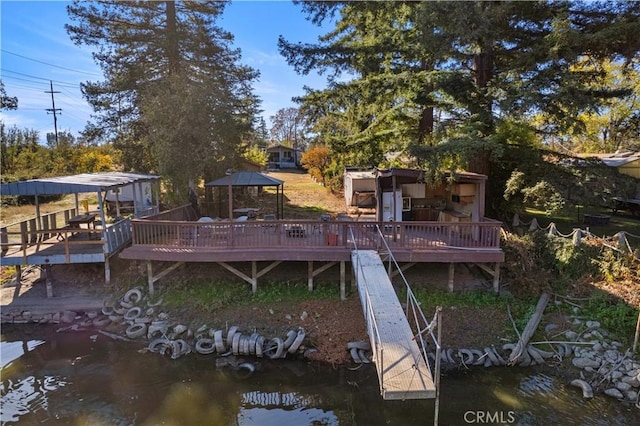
295 231
88 218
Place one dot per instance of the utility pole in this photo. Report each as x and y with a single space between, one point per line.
54 111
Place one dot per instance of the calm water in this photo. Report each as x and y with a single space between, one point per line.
84 378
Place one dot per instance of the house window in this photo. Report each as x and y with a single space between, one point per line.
288 156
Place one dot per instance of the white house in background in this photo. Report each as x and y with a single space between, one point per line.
283 157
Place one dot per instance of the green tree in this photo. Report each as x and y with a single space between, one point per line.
441 77
7 102
175 98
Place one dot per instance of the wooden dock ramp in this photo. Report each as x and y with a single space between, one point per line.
402 371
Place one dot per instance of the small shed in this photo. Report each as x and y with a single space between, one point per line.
251 179
627 163
359 187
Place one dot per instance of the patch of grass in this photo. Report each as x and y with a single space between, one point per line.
209 296
205 295
7 273
569 219
615 316
473 299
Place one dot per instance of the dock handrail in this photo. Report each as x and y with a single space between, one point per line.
420 322
372 326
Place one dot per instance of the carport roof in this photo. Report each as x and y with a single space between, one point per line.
246 178
75 184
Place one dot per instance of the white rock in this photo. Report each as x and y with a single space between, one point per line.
304 315
614 393
597 335
633 373
615 375
622 386
632 396
571 335
612 354
632 381
593 324
597 347
68 317
581 362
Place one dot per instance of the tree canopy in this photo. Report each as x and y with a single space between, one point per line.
175 98
446 74
456 83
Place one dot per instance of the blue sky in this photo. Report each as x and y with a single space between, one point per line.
36 49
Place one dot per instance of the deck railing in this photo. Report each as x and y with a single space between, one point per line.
52 230
309 234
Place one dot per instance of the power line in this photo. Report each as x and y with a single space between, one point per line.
52 65
41 78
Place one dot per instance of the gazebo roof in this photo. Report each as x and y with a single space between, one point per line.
245 178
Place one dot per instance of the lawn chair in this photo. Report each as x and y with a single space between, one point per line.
269 217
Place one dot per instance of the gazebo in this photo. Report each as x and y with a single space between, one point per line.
246 179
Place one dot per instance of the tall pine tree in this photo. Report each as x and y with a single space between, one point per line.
175 98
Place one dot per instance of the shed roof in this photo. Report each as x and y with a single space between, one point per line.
74 184
620 159
246 178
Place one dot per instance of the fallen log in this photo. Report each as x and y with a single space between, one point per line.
529 329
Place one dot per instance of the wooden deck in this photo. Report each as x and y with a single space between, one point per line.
169 240
402 371
290 240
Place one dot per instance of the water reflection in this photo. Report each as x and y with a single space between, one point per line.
87 378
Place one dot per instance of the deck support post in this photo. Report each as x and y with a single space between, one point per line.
255 273
494 273
452 269
254 276
150 276
343 295
151 279
49 280
107 271
16 292
313 273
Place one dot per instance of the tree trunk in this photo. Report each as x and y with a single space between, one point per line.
173 52
529 329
